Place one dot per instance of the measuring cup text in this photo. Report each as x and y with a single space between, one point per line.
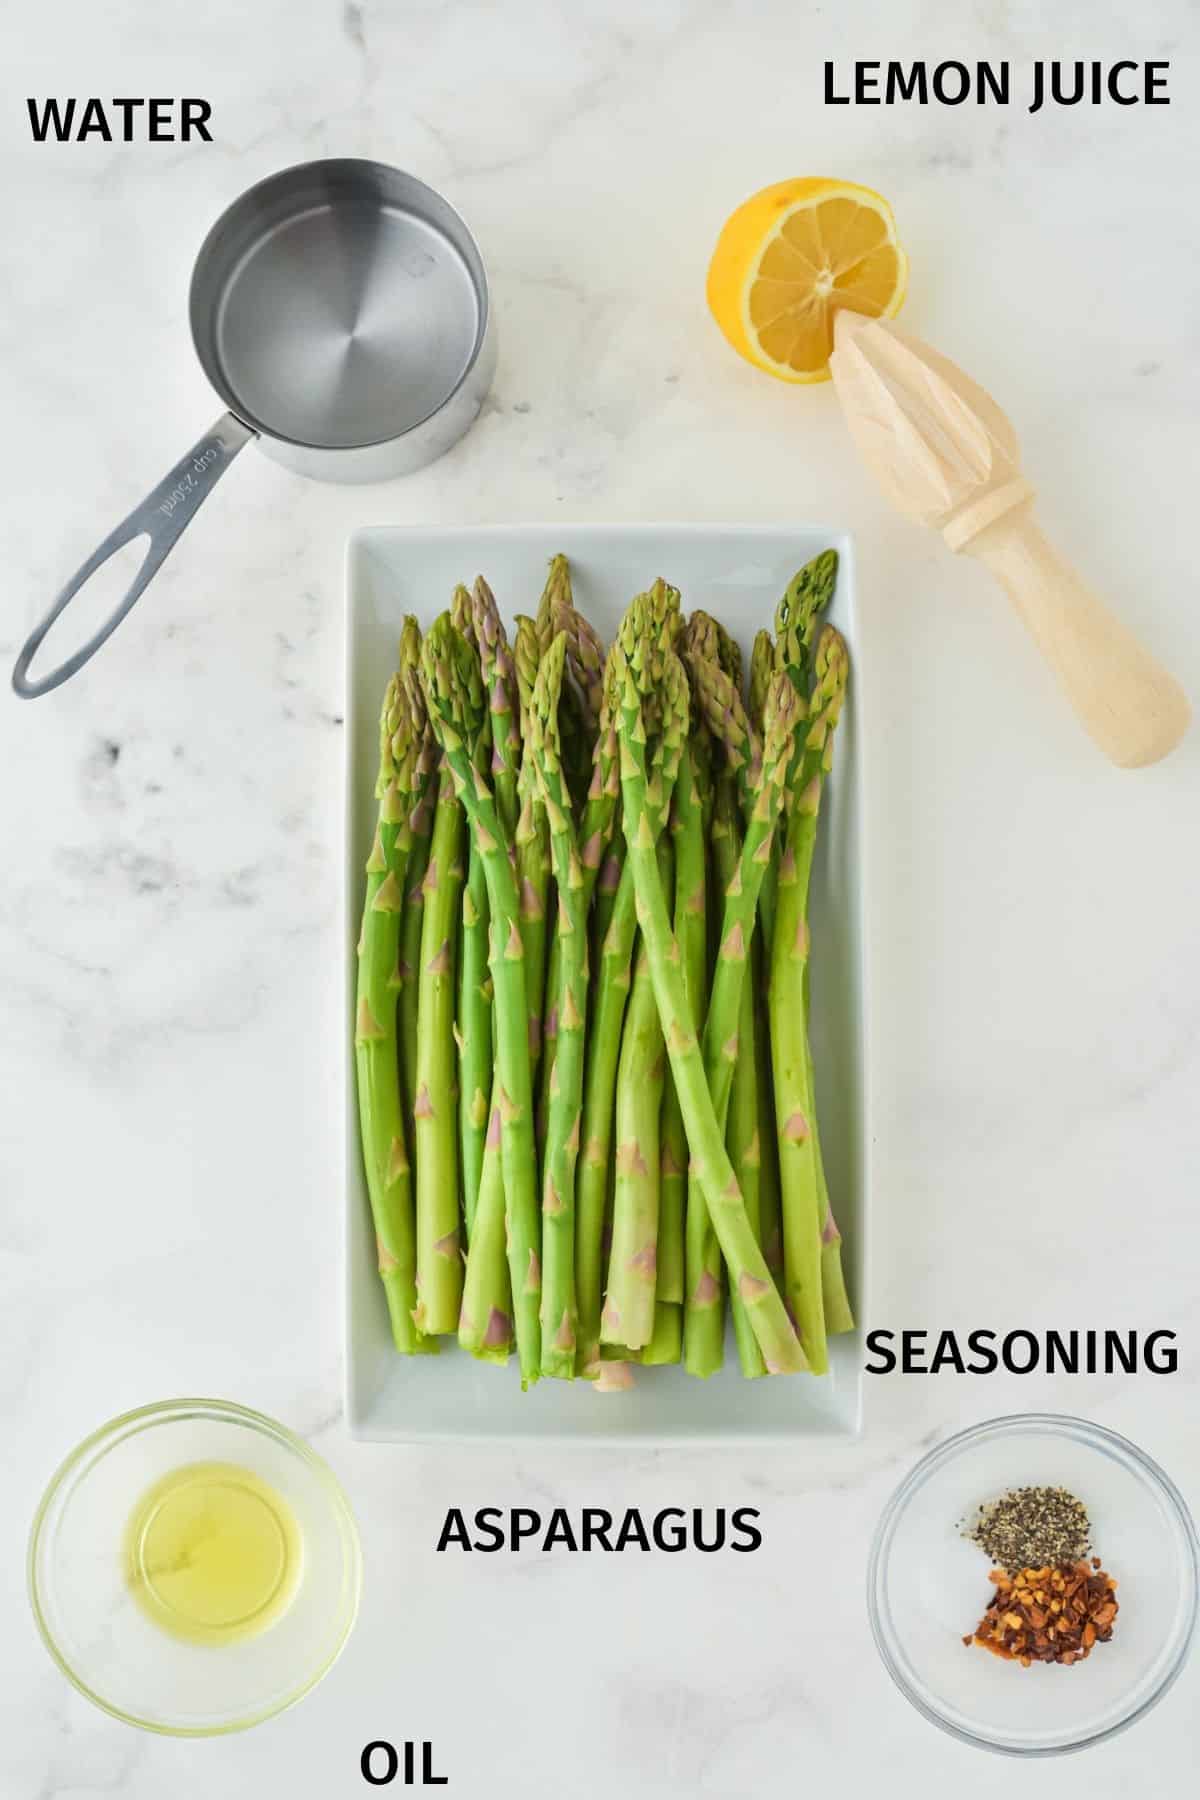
189 482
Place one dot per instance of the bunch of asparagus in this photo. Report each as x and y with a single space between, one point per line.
586 1089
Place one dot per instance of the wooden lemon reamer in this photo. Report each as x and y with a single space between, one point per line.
945 454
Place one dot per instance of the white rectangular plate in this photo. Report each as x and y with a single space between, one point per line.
737 573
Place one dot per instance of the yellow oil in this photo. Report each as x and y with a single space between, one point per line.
213 1554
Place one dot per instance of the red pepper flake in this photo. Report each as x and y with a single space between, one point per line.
1053 1615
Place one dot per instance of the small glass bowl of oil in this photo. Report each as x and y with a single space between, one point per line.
194 1568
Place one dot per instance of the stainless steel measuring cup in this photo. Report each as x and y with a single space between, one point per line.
340 309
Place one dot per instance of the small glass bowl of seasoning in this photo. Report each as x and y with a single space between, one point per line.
1115 1547
194 1568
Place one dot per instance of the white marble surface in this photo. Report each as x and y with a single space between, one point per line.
170 906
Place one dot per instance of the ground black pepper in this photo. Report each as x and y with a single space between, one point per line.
1031 1528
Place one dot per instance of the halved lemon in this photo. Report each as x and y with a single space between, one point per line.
790 258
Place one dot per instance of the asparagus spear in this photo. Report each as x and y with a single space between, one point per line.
381 1120
499 676
797 618
629 1307
456 705
672 1197
557 589
603 1050
729 1037
608 883
704 1315
532 844
600 859
666 1338
603 857
425 787
666 1343
594 837
570 969
439 1261
803 1219
732 750
738 1086
762 661
640 1109
651 729
485 1323
741 1138
580 725
729 655
769 1216
704 1302
477 618
473 1037
798 613
762 665
585 658
603 795
583 692
473 1030
718 697
839 1314
691 932
547 1018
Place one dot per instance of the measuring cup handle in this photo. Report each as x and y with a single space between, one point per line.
162 517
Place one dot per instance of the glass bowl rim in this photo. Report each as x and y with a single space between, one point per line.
1067 1425
183 1408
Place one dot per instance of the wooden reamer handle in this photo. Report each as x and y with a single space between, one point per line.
1128 703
